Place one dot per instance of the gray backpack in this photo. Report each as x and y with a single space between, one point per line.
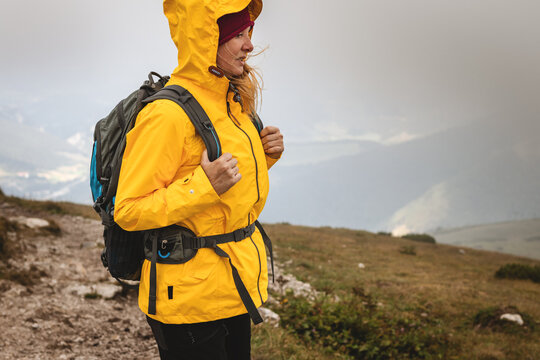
124 250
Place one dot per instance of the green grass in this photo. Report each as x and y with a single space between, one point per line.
519 271
420 238
439 290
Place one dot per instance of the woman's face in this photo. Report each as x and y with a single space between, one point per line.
231 56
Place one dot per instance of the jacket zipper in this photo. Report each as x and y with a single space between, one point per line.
235 122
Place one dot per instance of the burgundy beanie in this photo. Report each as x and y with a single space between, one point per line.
231 25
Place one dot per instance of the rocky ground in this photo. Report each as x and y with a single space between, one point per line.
75 310
64 305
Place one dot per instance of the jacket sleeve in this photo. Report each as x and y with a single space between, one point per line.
271 161
147 197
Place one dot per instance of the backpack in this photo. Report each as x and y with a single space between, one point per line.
125 251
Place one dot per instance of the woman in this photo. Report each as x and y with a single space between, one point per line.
167 178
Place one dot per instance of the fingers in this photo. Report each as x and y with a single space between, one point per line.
223 172
204 157
271 133
268 130
271 137
272 141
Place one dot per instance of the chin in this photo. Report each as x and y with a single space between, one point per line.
238 71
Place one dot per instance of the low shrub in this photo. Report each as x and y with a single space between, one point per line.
9 249
384 233
408 250
92 296
420 238
5 245
53 228
24 277
490 318
519 271
356 326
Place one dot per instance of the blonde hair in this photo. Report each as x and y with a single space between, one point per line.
249 86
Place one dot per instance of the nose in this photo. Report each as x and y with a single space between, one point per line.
248 45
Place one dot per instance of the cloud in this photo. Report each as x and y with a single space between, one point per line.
64 174
400 138
424 213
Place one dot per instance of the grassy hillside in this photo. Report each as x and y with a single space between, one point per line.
406 300
51 207
445 300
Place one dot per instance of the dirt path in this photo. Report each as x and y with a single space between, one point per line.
60 317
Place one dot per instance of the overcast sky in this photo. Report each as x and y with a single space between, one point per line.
381 70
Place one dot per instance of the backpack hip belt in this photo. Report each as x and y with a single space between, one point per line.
176 245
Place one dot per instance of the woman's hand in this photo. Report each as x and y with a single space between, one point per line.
272 141
222 172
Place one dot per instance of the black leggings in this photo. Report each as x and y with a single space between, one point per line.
226 339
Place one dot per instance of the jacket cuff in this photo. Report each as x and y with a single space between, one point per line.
271 161
198 186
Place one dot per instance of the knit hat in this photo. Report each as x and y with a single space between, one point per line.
231 25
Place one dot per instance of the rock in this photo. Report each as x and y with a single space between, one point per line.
512 317
361 266
269 316
88 245
107 291
78 289
286 282
32 223
462 252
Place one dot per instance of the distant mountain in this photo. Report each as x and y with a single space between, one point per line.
515 237
463 176
38 165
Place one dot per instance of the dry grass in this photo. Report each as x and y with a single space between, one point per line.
269 343
438 281
51 207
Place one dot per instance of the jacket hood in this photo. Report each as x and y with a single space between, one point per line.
195 32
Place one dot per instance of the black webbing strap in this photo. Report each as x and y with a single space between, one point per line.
213 240
241 288
152 296
268 244
207 242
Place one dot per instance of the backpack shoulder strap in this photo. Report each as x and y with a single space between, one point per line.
257 122
196 114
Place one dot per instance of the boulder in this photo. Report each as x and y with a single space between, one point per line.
513 317
269 316
32 223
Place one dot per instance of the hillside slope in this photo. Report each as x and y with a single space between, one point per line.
54 295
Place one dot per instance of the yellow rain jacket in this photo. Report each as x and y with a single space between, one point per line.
162 182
